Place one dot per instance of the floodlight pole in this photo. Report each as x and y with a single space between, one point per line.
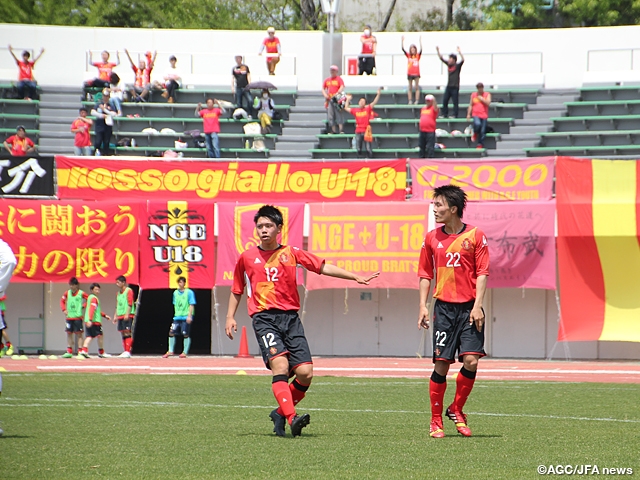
330 9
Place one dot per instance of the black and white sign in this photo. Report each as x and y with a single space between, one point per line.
29 176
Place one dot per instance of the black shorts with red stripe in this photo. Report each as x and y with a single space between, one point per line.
453 334
280 332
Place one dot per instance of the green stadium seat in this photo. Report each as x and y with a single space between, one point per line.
397 152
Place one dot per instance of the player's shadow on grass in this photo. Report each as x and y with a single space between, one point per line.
13 436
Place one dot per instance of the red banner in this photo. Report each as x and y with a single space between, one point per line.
177 240
521 242
54 241
366 238
231 181
237 233
483 180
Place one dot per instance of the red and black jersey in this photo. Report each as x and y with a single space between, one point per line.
458 260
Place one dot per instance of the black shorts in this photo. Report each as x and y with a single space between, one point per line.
413 77
180 328
74 326
94 330
3 324
280 332
453 333
124 325
366 64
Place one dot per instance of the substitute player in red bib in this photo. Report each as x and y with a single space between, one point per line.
458 255
269 273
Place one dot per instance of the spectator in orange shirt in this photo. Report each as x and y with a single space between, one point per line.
19 145
428 119
413 70
479 110
25 74
81 126
274 50
333 86
363 115
367 58
142 85
105 68
211 124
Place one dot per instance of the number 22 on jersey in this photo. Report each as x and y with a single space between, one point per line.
453 259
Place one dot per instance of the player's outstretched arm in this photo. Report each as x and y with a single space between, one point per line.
231 326
337 272
423 314
477 314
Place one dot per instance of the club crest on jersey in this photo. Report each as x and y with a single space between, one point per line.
466 244
437 352
273 350
284 258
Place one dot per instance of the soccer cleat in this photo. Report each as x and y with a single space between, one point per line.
80 356
460 419
67 355
83 355
10 350
279 423
298 423
168 354
104 355
125 355
183 355
436 430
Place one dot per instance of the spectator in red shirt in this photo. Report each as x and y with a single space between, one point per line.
332 87
428 118
26 82
81 126
105 68
274 50
363 115
479 110
19 145
367 58
211 123
142 85
413 70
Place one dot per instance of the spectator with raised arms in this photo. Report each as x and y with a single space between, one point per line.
26 82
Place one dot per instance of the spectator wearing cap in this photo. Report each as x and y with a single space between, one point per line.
453 82
105 69
428 118
479 111
240 78
140 89
274 50
332 87
19 145
81 126
367 58
172 80
26 83
103 113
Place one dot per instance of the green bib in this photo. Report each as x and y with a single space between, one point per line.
74 304
122 303
3 307
181 305
97 316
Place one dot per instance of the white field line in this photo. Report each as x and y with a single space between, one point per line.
101 404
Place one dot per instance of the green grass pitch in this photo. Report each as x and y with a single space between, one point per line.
85 426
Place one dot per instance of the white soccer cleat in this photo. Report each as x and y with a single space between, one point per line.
125 355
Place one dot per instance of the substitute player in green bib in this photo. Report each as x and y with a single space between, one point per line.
184 304
125 310
72 305
93 322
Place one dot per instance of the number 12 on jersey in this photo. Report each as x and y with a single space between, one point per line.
272 274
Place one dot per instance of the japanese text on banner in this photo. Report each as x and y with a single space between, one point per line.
53 241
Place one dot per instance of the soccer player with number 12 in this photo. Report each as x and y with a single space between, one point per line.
269 273
458 254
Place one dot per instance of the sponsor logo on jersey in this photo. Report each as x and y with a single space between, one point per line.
484 240
440 245
257 260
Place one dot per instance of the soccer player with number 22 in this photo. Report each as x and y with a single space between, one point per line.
269 273
458 254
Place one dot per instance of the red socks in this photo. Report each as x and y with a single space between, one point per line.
127 343
281 391
464 385
298 392
437 387
70 350
101 351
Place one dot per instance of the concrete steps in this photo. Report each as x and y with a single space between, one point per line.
58 109
299 133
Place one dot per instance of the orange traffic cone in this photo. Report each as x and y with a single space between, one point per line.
244 345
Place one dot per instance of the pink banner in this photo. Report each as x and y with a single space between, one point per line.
237 233
521 242
511 179
368 237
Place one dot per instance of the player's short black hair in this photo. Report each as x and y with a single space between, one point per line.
83 109
94 285
454 195
270 212
74 281
454 56
121 278
181 279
